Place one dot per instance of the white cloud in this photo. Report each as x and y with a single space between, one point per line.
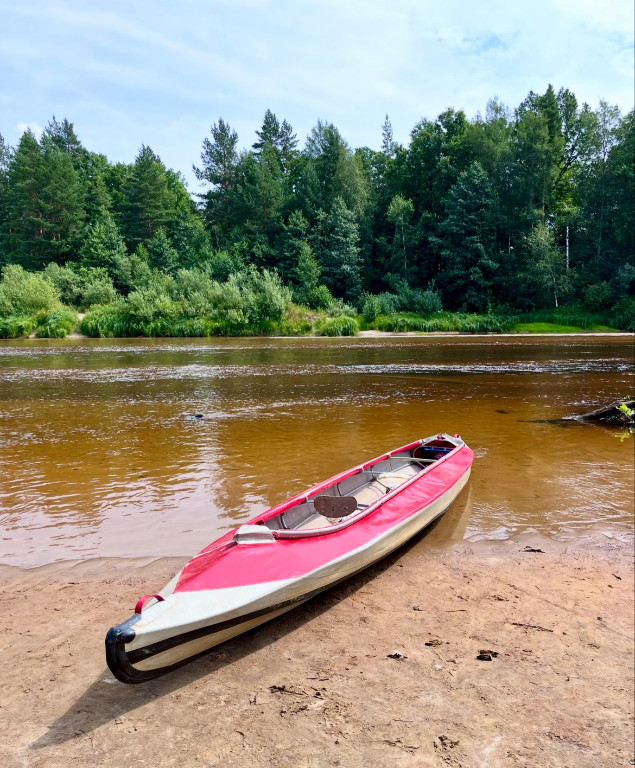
35 129
161 72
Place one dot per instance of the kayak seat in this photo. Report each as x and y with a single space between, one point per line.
364 487
317 521
393 479
297 517
369 493
349 486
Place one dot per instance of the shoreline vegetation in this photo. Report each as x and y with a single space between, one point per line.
250 303
516 221
297 322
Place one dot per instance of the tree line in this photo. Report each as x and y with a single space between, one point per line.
509 211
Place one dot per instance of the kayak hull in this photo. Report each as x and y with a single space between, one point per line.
183 625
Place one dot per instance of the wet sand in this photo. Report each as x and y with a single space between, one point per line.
317 687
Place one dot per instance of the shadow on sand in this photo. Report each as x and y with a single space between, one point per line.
107 699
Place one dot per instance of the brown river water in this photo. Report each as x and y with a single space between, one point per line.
100 455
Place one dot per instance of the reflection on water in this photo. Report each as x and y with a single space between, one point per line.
98 457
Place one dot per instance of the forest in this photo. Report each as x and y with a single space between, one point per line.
515 219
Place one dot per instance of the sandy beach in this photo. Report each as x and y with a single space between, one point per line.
380 671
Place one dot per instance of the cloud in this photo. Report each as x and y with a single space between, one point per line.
160 72
35 128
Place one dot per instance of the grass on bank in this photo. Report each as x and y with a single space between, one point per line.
111 322
558 328
559 321
55 324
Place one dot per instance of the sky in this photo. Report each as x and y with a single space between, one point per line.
160 72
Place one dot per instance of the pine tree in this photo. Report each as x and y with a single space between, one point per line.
287 146
97 200
259 194
6 156
161 255
63 137
468 267
268 134
63 206
290 244
280 137
306 276
339 171
104 246
219 159
148 203
24 228
339 259
44 207
387 142
191 240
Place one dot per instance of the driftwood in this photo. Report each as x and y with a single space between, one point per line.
610 413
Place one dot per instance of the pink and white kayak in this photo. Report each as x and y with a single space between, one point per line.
290 553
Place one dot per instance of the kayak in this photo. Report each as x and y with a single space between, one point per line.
286 555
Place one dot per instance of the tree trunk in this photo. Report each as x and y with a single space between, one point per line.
567 247
403 242
599 248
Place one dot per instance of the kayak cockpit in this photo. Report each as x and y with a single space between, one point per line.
347 497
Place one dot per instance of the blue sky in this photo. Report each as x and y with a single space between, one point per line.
160 72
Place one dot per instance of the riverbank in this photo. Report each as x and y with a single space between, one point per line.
422 334
127 320
515 335
323 686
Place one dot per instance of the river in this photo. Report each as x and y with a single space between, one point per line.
100 455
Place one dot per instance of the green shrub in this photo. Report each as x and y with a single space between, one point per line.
16 327
56 324
445 322
319 297
572 316
338 326
623 315
288 327
426 302
262 294
67 282
25 293
97 321
371 308
99 291
81 286
389 303
486 324
598 296
398 323
339 308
